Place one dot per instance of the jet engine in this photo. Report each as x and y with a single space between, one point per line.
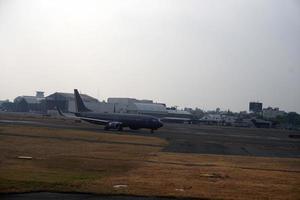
114 125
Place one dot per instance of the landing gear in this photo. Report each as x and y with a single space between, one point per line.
133 128
152 131
113 125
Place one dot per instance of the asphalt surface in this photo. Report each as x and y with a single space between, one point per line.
186 138
231 141
74 196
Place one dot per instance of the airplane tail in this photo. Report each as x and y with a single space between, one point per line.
80 107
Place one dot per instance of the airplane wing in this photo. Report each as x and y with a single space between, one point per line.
109 124
106 123
94 120
66 115
176 118
59 111
83 118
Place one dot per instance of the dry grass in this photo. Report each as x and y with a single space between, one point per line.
83 161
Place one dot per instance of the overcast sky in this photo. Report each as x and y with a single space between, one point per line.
202 53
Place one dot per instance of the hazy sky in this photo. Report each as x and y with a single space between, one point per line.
204 53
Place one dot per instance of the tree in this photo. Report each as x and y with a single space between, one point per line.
293 118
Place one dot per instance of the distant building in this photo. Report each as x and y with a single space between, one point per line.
147 107
255 107
190 110
197 113
179 114
30 103
39 94
135 106
211 119
271 113
66 102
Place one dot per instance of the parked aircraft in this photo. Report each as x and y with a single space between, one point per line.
114 120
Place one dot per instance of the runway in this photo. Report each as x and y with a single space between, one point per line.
186 138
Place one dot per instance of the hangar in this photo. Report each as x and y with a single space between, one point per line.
135 106
146 107
66 102
30 103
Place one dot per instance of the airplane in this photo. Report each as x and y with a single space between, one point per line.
114 120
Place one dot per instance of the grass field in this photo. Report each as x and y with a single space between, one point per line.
86 161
